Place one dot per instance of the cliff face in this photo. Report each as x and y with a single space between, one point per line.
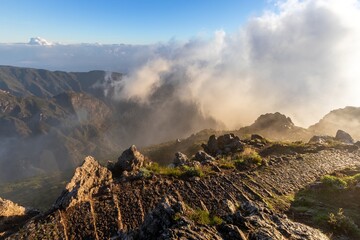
96 206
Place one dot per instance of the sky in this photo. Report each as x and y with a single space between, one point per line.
121 21
234 59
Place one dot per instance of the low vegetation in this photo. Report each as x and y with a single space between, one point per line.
331 205
205 218
182 171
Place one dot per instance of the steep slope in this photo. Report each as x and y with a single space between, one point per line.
347 119
42 83
39 135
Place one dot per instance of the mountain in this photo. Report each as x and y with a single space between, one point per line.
50 119
39 41
347 119
276 126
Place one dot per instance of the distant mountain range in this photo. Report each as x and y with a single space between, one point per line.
50 120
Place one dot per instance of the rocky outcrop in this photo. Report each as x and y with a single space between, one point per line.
8 209
89 179
344 137
223 144
130 160
13 216
180 159
321 139
276 126
242 199
203 157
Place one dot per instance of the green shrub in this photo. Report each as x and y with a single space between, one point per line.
343 224
334 182
182 171
204 217
251 157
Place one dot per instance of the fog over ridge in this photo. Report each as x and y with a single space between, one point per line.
299 59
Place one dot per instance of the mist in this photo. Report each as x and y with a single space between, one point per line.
299 58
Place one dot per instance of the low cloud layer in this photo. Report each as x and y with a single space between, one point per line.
300 59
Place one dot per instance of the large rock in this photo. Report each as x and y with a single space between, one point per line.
202 156
12 216
344 137
9 209
223 144
180 159
130 160
89 179
321 139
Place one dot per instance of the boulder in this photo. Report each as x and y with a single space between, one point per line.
344 137
202 156
9 209
180 159
223 144
212 145
321 139
130 160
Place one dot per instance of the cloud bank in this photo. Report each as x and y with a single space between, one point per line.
300 59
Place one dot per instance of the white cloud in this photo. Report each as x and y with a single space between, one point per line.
300 59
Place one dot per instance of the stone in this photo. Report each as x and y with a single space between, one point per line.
202 156
344 137
89 179
257 137
229 231
212 146
317 139
8 209
130 160
180 159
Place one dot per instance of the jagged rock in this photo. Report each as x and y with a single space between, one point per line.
202 156
9 209
344 137
130 160
180 159
229 231
357 143
262 223
89 179
161 218
12 216
223 144
321 139
169 221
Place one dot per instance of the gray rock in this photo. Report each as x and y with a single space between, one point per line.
257 137
86 182
130 160
321 139
344 137
180 159
202 156
212 146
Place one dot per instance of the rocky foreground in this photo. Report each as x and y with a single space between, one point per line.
129 201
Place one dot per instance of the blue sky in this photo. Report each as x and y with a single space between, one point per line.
121 21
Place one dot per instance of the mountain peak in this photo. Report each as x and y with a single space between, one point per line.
39 41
